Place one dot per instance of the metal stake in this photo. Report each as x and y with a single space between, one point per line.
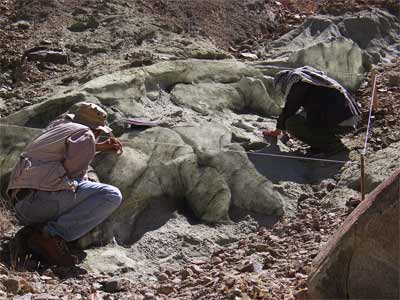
362 176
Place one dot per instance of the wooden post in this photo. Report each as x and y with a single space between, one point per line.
374 87
362 177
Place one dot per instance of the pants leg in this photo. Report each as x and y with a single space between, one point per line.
319 138
67 214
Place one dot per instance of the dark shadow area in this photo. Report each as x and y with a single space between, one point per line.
239 214
4 179
157 214
160 211
296 168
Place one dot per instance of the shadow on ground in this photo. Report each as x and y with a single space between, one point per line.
296 167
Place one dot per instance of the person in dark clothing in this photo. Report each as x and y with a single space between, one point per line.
317 109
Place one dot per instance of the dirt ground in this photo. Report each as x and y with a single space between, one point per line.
220 271
119 27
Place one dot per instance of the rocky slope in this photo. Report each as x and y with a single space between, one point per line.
254 257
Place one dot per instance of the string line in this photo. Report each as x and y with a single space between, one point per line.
140 140
364 152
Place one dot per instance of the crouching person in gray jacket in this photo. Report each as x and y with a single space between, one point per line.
49 183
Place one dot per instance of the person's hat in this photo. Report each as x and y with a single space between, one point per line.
91 115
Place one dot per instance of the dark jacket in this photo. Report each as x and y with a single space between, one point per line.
325 107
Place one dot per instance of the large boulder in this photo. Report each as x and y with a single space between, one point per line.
193 164
249 94
13 141
208 97
177 164
260 96
167 74
39 115
192 91
343 46
131 92
213 148
341 58
122 90
362 260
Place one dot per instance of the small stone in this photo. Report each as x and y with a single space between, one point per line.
320 195
273 238
176 280
49 273
149 296
300 276
274 253
96 286
12 285
257 290
206 280
23 297
45 42
45 296
249 55
330 186
307 237
315 223
298 265
178 113
117 285
56 56
247 268
229 282
198 261
236 293
162 277
165 289
261 248
352 202
3 294
393 79
196 269
307 269
318 238
216 260
21 25
303 197
291 273
186 273
268 261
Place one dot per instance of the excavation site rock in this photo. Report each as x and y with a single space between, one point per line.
343 46
211 208
194 162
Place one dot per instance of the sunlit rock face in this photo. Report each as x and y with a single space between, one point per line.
192 160
342 46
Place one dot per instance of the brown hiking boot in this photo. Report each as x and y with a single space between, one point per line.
52 249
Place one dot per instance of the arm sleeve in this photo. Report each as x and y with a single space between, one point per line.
294 101
80 151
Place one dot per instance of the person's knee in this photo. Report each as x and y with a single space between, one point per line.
114 196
